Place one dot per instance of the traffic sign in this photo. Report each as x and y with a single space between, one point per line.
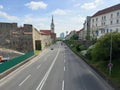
110 65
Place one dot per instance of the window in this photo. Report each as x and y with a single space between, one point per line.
118 13
93 20
96 25
111 15
101 24
104 17
107 30
110 30
116 29
103 31
97 33
104 23
117 21
96 19
111 22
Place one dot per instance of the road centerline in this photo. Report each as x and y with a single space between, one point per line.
64 68
47 73
63 85
38 66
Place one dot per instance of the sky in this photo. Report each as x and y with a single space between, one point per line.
68 14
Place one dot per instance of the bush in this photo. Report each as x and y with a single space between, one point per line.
88 54
78 48
82 47
74 37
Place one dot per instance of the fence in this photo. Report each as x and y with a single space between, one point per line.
5 66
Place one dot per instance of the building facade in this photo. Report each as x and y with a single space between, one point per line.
105 21
70 35
21 38
81 34
62 35
26 38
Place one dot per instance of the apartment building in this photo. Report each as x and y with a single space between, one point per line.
105 21
70 35
81 34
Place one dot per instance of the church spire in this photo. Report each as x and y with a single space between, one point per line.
52 19
52 25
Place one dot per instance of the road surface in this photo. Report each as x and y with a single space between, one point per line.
57 69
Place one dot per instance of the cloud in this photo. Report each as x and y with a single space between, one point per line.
77 5
78 19
1 7
9 17
61 12
36 21
36 5
31 19
91 5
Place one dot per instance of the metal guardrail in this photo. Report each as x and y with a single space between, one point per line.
7 65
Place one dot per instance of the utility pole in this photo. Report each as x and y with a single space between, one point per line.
110 62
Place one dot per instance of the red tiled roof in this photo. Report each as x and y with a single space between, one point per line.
77 32
107 10
42 33
47 32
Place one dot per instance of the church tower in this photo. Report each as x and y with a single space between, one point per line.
52 25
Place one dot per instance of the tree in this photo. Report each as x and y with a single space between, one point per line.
101 50
74 37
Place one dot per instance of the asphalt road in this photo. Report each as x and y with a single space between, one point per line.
57 69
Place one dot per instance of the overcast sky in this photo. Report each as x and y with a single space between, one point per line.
68 14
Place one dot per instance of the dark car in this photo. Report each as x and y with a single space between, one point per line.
51 48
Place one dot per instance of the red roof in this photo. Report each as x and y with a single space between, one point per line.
81 29
78 32
47 32
107 10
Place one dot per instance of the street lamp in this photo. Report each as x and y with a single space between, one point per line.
110 61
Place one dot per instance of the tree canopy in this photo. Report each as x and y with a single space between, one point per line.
74 37
101 50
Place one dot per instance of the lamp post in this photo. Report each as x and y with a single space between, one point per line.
110 61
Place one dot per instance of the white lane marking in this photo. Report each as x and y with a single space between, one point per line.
64 55
63 85
21 68
64 68
14 73
38 66
24 80
47 73
64 60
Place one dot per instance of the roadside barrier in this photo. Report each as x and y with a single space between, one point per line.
9 64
